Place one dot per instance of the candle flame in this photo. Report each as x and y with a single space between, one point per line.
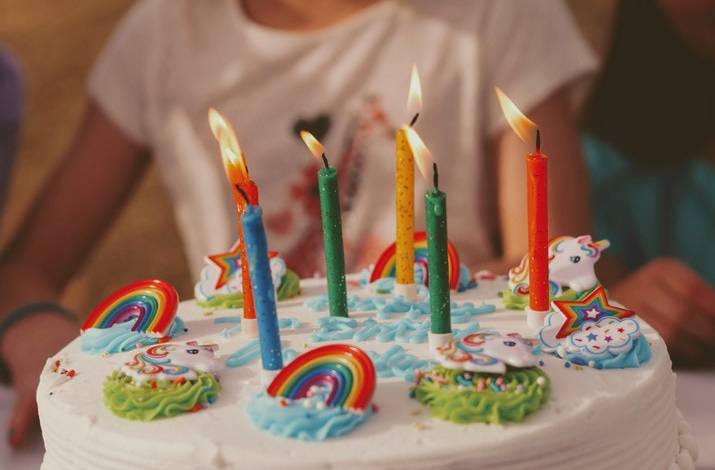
231 153
522 125
421 153
414 98
314 145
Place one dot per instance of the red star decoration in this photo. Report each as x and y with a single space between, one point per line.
575 311
229 263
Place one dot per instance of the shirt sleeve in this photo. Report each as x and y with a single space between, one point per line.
531 49
118 81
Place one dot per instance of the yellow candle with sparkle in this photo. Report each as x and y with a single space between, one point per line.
405 192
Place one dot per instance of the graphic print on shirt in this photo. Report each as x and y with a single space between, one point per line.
368 124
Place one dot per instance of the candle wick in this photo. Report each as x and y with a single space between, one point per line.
414 119
325 161
243 193
538 140
435 176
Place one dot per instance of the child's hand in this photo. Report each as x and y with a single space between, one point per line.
25 348
678 303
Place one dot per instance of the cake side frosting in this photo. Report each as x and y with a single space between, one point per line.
615 418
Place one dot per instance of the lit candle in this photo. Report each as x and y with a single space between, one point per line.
332 229
405 197
264 294
437 245
537 216
237 173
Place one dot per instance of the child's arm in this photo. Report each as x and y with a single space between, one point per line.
76 206
569 210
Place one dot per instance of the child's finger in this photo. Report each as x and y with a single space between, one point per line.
24 417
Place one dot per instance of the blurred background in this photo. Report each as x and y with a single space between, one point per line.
55 43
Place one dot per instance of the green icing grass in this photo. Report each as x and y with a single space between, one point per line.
463 404
289 288
514 301
144 403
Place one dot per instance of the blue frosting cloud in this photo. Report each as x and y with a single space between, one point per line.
298 421
637 355
121 338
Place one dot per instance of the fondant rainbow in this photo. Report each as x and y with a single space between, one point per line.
385 265
346 369
152 302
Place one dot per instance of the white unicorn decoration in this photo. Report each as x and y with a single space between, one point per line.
571 265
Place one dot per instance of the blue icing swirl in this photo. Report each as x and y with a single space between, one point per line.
244 355
121 338
637 355
396 362
298 421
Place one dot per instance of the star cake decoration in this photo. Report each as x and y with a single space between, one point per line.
591 307
229 263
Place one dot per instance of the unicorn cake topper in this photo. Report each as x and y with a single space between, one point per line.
171 361
571 265
488 352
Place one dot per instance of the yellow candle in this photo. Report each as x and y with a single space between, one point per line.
405 210
405 191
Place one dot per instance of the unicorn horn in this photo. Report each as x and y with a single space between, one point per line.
602 244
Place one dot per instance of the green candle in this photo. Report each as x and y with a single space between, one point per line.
437 258
332 229
333 240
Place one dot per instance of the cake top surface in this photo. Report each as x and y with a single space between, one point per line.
590 411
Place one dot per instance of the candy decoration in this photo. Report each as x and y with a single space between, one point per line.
591 307
386 263
229 263
152 303
346 369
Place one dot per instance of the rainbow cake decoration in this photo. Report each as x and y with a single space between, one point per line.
220 287
163 381
139 314
485 377
323 393
593 331
571 270
385 266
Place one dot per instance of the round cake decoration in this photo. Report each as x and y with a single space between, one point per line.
164 380
595 332
150 303
385 265
485 377
323 393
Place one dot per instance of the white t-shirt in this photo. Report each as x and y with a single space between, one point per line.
170 60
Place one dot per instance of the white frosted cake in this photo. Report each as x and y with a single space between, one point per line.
614 418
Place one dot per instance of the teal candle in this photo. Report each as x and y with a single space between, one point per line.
333 240
437 257
264 296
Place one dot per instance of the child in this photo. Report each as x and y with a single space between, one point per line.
339 68
651 149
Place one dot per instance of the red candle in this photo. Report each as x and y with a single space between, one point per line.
538 221
249 309
237 174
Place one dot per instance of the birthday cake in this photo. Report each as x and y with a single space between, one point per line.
591 418
414 363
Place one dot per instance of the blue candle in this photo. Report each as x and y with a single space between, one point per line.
264 297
